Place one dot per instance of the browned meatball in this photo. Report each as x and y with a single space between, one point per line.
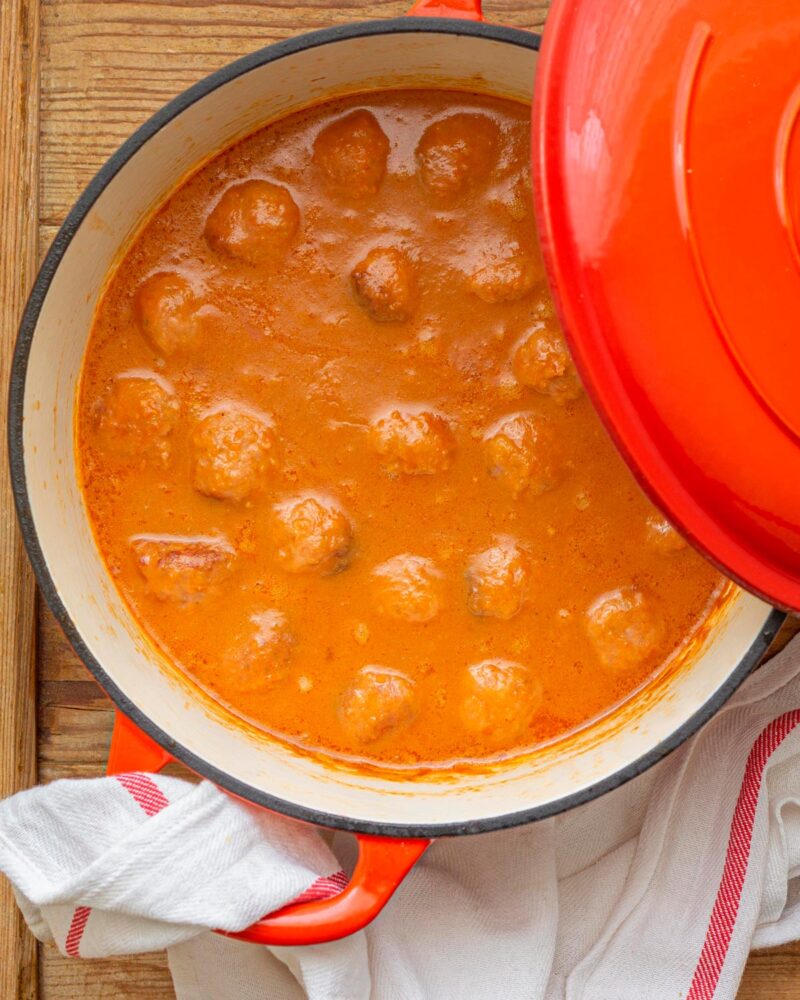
516 197
542 362
312 532
167 307
501 699
623 629
351 153
457 153
409 588
385 286
261 654
498 579
520 453
661 536
505 280
378 702
413 442
232 452
254 221
138 415
183 568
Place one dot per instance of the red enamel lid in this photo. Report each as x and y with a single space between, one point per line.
667 158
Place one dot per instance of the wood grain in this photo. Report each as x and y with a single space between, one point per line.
106 65
19 86
138 977
772 974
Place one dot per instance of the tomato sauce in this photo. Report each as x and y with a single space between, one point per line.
338 460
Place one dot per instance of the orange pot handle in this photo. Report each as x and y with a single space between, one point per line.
133 750
383 863
466 10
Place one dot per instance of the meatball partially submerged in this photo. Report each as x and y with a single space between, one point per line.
138 415
183 568
384 285
498 580
500 701
413 442
232 452
378 702
457 153
311 533
254 221
167 307
351 154
505 280
542 362
408 587
261 654
520 454
661 536
623 630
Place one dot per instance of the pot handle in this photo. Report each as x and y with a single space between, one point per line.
133 750
466 10
383 863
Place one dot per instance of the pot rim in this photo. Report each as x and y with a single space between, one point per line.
58 248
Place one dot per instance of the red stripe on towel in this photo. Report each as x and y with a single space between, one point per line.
72 946
324 887
145 791
726 905
152 800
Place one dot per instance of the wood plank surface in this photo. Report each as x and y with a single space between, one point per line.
772 974
106 65
19 173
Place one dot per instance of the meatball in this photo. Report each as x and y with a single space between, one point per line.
505 280
167 307
415 443
542 362
254 221
261 654
500 700
232 452
385 286
457 153
516 196
520 453
498 580
351 153
623 630
378 701
138 415
311 533
409 588
181 568
661 536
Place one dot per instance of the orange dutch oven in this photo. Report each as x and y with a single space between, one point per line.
596 152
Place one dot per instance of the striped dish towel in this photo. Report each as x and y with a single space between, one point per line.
657 891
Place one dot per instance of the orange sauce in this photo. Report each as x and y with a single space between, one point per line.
337 458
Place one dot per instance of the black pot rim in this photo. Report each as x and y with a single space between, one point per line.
30 318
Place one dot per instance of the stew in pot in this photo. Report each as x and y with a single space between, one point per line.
338 460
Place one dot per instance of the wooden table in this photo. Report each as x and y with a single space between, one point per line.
77 76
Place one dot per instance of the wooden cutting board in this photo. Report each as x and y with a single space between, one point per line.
76 77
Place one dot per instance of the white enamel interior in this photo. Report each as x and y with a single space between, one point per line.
235 108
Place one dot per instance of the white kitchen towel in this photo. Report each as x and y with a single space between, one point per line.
657 891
